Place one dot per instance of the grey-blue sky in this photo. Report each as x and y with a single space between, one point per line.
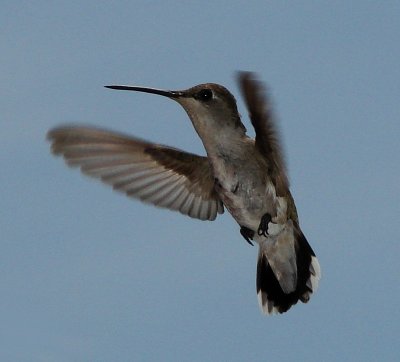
90 275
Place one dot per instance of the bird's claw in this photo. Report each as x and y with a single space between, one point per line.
263 228
247 234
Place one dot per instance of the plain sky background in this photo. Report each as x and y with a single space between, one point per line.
90 275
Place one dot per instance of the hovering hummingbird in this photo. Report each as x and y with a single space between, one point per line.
246 176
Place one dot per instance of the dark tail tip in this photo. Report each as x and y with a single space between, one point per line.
271 297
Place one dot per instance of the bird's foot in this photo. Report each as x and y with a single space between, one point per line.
263 228
247 234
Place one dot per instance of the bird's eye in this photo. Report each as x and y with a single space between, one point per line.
205 95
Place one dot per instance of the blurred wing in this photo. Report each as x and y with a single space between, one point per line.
267 135
155 174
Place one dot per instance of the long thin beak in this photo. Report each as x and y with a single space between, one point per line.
161 92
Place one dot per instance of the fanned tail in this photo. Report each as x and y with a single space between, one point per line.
271 297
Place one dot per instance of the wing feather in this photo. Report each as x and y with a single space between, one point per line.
156 174
267 135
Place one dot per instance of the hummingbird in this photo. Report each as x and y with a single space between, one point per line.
246 176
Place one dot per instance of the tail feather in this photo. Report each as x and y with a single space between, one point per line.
271 297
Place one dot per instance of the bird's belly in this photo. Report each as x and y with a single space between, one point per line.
245 191
246 206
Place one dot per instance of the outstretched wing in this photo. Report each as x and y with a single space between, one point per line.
267 135
159 175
